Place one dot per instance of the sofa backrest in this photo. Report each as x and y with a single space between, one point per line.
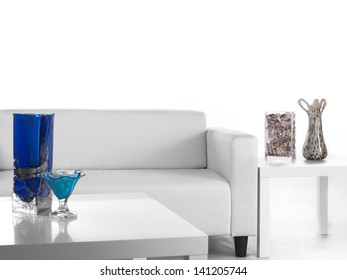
118 139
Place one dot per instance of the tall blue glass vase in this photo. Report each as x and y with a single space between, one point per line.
33 154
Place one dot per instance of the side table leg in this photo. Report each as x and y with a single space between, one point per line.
322 205
263 236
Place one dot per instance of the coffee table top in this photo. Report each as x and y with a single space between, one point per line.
303 168
134 225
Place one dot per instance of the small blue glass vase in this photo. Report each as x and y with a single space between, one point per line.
62 182
32 154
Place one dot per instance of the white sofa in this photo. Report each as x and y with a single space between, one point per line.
207 176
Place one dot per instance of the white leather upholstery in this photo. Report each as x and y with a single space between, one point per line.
6 183
200 196
234 155
116 139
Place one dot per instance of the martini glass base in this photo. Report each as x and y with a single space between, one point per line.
63 211
58 214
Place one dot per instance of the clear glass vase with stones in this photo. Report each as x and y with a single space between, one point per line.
280 136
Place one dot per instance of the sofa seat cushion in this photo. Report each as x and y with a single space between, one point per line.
6 183
200 196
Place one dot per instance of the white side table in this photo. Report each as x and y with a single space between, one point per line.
300 168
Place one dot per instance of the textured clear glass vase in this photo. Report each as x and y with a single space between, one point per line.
33 154
280 136
314 147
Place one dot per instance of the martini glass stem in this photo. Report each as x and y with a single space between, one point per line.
63 205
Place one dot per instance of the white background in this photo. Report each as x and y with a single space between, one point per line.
232 59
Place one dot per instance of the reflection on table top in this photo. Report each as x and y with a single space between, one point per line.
101 217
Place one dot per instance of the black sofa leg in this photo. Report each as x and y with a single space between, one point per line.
240 245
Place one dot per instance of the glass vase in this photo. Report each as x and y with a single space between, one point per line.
280 136
33 154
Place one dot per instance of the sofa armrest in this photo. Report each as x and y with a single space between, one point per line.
234 155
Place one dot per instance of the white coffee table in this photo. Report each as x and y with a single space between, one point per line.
300 168
109 226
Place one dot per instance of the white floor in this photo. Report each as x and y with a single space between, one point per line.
293 223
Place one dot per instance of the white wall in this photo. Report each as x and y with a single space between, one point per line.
232 59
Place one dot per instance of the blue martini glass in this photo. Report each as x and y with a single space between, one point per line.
62 182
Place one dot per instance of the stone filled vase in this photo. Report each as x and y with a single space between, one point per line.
314 147
280 136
